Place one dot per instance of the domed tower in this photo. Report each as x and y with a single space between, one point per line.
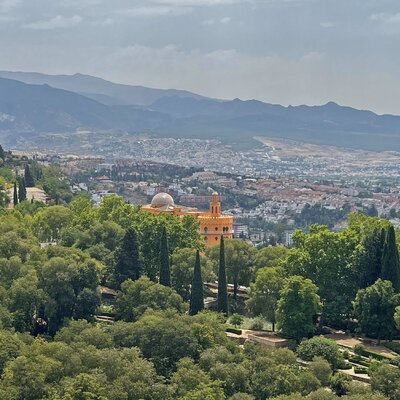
213 224
215 205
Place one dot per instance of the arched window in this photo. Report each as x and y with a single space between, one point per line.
205 229
216 237
206 238
216 229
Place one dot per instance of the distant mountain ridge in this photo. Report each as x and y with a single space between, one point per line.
98 89
32 109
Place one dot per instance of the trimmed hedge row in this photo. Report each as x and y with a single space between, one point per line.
394 346
234 330
360 370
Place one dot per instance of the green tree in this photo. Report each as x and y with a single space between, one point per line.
264 293
340 383
371 257
15 195
197 295
320 347
128 260
236 320
374 309
397 317
165 275
83 387
137 296
390 260
222 299
182 270
386 380
48 223
238 262
331 261
321 369
297 307
21 190
28 177
2 155
269 256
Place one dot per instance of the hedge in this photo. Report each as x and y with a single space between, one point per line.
394 346
366 353
234 330
360 370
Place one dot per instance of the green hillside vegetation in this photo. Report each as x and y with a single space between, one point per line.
158 342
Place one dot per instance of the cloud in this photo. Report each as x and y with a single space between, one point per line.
197 3
225 20
7 5
56 22
327 24
153 11
386 17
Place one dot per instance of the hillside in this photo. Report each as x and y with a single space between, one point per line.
98 89
30 109
41 108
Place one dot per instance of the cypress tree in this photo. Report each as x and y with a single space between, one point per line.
165 275
21 190
371 258
29 181
222 300
2 154
128 259
15 195
197 295
390 260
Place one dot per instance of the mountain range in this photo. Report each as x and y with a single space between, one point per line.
33 103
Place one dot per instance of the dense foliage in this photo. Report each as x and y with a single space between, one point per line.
108 303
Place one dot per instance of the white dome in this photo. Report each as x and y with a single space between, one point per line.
162 200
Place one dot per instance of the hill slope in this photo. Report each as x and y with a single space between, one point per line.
27 109
40 108
98 89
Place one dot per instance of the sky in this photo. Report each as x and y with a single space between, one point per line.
279 51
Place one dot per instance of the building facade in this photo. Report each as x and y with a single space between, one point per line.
213 223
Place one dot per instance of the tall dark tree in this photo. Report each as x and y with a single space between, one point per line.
15 194
222 300
29 180
165 274
128 258
197 295
371 257
390 260
21 190
2 155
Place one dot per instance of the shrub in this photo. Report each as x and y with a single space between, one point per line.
359 349
236 320
340 383
345 365
257 324
320 347
321 369
395 361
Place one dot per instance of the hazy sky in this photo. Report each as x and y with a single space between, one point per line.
281 51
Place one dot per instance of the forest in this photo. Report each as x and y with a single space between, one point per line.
166 337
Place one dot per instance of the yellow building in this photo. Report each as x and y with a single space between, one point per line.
212 223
